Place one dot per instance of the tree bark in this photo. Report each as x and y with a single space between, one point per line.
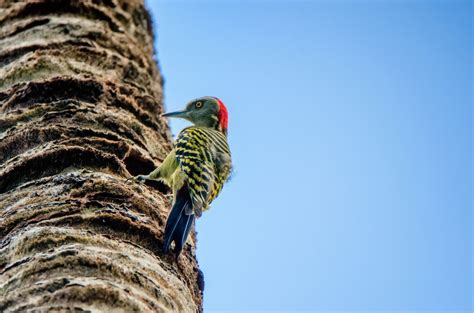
80 105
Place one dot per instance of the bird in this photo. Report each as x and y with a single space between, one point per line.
197 167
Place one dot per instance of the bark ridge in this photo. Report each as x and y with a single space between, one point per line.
80 100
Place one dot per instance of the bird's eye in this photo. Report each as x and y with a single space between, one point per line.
198 104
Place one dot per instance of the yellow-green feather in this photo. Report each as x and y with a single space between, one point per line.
201 158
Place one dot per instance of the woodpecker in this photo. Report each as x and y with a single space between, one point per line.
197 167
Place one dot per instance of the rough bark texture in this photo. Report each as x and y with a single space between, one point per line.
80 99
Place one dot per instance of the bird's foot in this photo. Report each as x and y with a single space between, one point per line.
138 178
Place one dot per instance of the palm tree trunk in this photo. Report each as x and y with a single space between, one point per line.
80 100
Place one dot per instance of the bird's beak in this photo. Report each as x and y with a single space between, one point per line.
179 114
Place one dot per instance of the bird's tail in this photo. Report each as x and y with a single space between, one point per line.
179 223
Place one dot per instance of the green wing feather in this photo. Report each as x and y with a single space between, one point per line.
199 152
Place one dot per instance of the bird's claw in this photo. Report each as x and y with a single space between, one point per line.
138 178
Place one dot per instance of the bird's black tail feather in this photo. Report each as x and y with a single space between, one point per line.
179 223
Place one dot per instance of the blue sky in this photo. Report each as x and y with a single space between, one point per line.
351 132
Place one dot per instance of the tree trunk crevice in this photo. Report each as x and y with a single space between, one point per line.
80 104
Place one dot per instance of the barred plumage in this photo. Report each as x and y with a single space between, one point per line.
196 168
204 156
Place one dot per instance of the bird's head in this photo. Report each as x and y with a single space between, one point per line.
206 112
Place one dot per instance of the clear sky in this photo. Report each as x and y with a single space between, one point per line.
351 133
